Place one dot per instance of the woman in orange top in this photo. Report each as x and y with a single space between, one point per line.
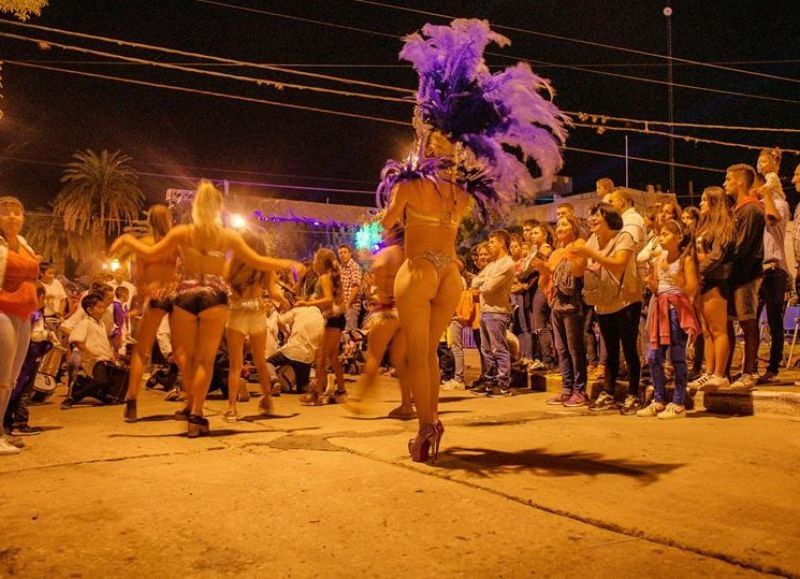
18 272
562 281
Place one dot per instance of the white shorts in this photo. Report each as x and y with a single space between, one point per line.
248 322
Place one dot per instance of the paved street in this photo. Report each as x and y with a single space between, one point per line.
520 489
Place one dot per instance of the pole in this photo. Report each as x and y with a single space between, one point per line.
670 96
626 161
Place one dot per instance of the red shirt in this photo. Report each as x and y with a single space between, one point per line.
18 294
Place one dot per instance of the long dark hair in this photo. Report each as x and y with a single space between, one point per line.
330 263
241 275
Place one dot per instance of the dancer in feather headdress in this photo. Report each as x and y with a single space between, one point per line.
468 121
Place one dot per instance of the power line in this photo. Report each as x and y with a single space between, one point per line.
646 122
378 119
589 43
200 56
534 61
688 138
205 92
643 159
258 81
195 178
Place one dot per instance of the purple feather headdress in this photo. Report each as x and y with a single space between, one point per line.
491 115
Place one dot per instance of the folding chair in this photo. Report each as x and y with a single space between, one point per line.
791 323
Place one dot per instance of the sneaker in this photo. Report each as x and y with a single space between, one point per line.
7 448
536 366
577 399
603 403
498 391
454 385
696 384
672 411
630 406
714 383
481 386
745 382
558 400
651 410
767 377
24 430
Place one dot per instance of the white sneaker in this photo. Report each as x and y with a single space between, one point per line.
7 448
672 411
714 383
701 381
453 385
651 410
745 382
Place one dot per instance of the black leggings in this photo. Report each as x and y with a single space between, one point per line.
622 328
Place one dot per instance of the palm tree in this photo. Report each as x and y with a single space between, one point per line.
47 235
99 196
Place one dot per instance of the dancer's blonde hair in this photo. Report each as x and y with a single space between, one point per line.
207 206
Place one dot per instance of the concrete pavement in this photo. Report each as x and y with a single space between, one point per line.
520 489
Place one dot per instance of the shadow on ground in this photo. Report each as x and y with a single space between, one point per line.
487 463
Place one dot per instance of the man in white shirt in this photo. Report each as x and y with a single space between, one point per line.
632 222
55 297
306 328
494 287
89 336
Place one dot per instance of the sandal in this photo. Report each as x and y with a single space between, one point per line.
399 414
339 397
313 398
265 404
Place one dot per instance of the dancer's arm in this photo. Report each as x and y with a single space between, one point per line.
253 259
170 242
397 205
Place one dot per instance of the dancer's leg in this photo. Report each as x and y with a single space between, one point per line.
258 347
148 328
379 335
211 324
235 340
183 332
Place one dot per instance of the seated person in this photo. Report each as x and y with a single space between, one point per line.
305 327
90 338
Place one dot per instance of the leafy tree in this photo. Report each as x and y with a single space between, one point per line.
45 232
99 196
22 9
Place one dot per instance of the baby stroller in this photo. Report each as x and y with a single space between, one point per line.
352 351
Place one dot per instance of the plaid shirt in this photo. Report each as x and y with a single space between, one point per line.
351 279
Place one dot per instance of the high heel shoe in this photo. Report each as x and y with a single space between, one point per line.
197 426
130 411
426 444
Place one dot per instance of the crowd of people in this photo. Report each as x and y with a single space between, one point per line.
563 297
650 282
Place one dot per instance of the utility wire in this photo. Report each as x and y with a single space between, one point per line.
588 43
262 101
258 81
205 92
688 138
536 62
200 56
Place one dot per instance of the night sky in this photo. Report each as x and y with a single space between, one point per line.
179 137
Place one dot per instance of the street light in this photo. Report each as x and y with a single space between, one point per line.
238 221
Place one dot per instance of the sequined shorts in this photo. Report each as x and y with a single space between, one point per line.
197 295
